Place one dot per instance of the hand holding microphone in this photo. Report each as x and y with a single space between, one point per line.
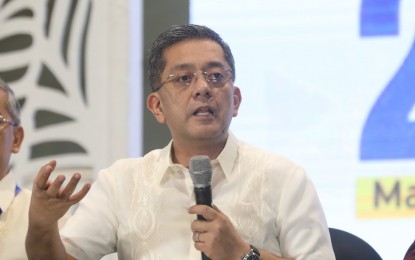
213 232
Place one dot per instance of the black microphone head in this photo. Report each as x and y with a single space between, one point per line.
200 170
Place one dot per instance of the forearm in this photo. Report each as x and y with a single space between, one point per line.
44 244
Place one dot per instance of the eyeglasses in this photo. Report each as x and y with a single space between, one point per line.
215 77
5 122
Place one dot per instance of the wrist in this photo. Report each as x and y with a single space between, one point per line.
251 254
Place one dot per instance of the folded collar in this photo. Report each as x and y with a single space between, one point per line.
226 158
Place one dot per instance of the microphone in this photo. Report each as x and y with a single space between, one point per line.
200 171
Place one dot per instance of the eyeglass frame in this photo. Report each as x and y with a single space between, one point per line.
195 75
4 120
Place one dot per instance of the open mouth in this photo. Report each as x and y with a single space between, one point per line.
203 111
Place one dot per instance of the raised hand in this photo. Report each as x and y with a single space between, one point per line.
49 200
48 204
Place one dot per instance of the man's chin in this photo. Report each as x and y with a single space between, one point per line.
209 133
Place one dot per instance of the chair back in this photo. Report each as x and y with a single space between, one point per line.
347 246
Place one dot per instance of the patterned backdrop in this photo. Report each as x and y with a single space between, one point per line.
68 63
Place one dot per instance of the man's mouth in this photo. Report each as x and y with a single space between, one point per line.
203 111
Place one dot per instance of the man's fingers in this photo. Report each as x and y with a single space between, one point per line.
54 188
70 187
217 209
207 212
41 180
80 194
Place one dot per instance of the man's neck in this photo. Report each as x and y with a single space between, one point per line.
182 155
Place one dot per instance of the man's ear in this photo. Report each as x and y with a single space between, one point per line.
237 99
18 136
155 107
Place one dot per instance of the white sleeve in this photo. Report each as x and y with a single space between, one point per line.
303 232
92 231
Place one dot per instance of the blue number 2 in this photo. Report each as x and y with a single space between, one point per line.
388 133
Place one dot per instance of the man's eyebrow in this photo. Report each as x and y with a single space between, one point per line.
215 64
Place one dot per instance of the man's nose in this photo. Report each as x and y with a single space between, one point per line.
201 83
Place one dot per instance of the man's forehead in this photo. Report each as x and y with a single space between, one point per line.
185 46
186 54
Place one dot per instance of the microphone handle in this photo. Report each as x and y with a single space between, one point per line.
203 196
